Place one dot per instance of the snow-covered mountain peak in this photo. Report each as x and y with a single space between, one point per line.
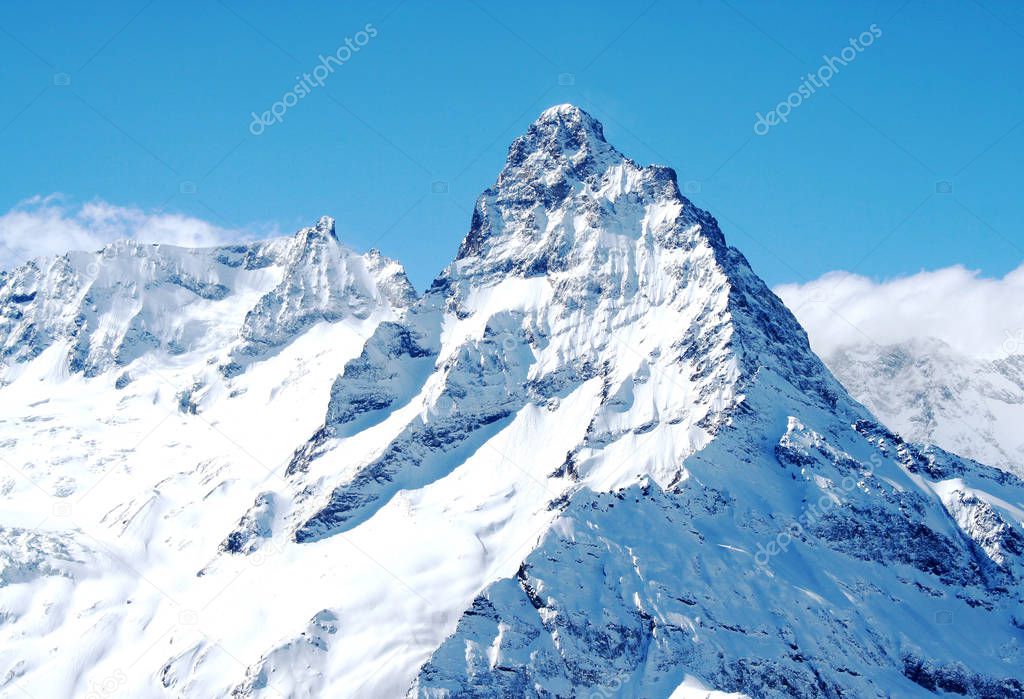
576 272
596 458
323 229
103 310
323 280
566 109
564 132
607 234
567 199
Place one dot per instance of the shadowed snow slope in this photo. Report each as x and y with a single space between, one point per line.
596 458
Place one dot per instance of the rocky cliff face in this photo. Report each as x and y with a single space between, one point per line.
596 458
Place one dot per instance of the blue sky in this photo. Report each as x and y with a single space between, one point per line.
126 102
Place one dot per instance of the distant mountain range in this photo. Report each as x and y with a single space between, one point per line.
929 392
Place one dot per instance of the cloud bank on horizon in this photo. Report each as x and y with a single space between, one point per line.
976 315
48 225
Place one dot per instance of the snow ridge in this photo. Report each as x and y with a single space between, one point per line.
107 309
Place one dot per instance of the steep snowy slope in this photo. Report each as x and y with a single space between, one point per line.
596 458
929 392
605 601
123 462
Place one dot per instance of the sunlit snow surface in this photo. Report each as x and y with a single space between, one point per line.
596 458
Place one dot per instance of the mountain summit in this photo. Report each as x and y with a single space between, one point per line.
564 132
596 457
563 155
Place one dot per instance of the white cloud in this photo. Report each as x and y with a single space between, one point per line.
47 226
979 316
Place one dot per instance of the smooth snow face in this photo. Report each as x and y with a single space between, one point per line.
574 468
929 392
